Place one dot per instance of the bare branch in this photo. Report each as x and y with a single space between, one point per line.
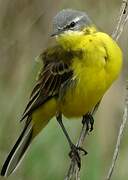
73 171
123 18
121 130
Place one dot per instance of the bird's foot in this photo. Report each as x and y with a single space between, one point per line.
89 120
75 154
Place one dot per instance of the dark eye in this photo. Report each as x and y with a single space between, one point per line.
72 24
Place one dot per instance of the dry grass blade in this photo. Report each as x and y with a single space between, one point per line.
123 18
73 171
116 152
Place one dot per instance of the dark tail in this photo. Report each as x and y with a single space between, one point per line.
17 152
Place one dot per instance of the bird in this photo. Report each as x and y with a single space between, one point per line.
75 74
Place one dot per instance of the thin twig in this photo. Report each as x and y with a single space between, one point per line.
123 18
73 171
121 130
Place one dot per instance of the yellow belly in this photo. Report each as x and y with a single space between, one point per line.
81 99
99 66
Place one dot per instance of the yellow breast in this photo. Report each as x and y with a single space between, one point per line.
94 72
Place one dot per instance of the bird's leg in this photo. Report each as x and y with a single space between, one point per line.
59 119
89 120
74 153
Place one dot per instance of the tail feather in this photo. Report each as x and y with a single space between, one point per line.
18 151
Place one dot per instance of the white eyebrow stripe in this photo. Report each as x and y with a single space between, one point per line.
78 18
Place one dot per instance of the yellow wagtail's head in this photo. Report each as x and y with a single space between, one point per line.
69 26
70 21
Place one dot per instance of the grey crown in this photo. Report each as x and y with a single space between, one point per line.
62 21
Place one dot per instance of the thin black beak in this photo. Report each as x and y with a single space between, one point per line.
57 33
53 34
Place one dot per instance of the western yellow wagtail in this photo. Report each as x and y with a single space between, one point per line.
76 73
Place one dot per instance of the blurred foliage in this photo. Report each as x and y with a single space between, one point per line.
24 32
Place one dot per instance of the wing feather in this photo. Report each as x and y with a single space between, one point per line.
52 76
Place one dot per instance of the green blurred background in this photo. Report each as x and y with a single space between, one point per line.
24 32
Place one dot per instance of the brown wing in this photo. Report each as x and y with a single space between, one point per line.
54 74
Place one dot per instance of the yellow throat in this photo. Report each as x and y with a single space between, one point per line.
96 65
